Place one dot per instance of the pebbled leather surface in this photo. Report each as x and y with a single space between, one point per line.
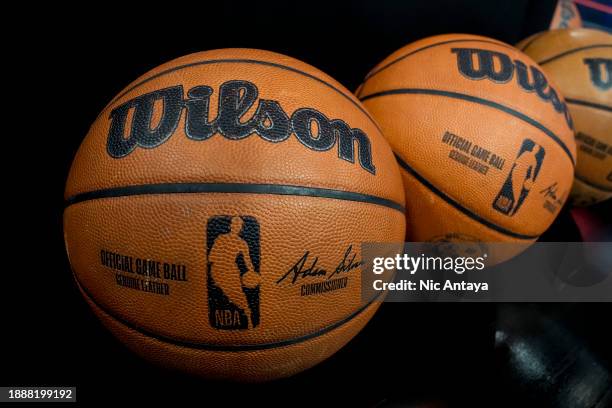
178 327
415 124
250 160
244 366
572 75
172 228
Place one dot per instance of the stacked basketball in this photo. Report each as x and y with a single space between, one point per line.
484 139
580 62
216 208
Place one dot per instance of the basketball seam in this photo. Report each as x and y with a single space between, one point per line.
481 101
589 104
592 185
236 188
572 51
458 206
349 96
533 40
225 347
371 74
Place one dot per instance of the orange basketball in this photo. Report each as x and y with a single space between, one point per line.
215 212
484 140
580 62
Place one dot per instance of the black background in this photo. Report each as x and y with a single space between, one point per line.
70 62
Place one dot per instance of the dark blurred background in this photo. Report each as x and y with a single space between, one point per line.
70 60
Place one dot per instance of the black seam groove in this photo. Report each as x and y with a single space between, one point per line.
398 59
240 188
226 347
589 104
481 101
458 206
568 52
245 61
533 40
592 185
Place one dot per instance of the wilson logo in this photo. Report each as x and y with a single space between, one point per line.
520 180
477 64
270 122
600 71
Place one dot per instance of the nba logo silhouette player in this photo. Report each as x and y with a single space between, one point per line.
521 178
233 272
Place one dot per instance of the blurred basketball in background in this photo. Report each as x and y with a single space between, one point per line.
484 141
580 63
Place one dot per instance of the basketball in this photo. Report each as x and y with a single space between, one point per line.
215 211
580 63
483 139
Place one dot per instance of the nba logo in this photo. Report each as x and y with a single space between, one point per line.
521 178
233 279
